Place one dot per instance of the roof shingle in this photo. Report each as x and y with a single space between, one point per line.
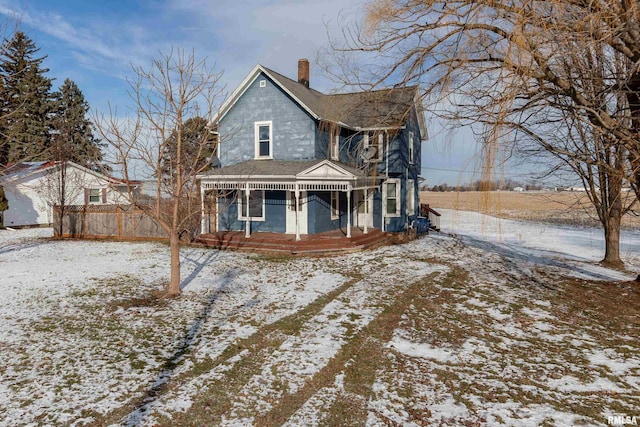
369 109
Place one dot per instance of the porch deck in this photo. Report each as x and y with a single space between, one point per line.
328 243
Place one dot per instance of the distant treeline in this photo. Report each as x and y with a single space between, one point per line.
480 185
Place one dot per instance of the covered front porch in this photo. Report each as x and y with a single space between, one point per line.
288 197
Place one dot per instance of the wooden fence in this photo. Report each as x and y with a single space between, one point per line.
121 222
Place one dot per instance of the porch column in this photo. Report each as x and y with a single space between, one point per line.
297 207
366 211
203 218
349 211
247 223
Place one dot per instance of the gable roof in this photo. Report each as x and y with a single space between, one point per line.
385 108
26 169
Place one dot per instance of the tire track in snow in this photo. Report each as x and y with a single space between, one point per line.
239 363
357 360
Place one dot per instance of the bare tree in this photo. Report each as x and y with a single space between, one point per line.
60 187
524 71
175 88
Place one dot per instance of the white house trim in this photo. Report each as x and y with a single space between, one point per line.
256 128
326 170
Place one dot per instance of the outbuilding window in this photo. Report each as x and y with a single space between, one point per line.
95 195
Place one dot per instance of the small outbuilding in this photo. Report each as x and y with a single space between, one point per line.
33 188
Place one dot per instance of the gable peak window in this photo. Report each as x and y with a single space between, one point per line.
263 140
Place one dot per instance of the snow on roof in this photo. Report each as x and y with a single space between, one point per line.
23 169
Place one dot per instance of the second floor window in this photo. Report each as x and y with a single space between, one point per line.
373 148
334 144
264 140
411 148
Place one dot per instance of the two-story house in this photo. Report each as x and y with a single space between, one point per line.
295 160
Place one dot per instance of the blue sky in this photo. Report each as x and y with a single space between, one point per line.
95 43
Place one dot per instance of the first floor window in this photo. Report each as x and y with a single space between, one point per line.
391 196
292 202
95 194
255 209
411 194
335 207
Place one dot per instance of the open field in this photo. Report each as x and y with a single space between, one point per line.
572 208
484 328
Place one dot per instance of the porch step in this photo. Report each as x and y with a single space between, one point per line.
318 244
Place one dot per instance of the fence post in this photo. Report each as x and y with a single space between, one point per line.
119 215
84 222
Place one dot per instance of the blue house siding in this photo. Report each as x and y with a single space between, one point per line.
348 144
377 209
293 130
320 212
274 209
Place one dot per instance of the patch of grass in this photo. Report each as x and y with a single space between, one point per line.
154 299
218 396
272 258
348 409
360 359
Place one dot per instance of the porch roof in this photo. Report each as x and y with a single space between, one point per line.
287 175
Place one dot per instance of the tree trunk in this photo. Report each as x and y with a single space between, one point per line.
612 241
174 284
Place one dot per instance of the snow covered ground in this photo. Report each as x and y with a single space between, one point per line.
500 323
543 243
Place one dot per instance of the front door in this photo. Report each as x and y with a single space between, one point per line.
363 212
291 212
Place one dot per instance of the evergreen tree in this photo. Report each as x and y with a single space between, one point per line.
25 122
73 137
4 145
197 148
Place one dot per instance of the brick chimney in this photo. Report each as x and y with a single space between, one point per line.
303 71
